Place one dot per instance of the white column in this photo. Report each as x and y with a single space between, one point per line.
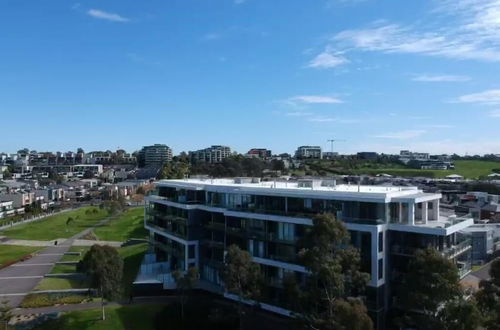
411 214
425 212
400 216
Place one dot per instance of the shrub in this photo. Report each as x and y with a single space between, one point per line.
46 299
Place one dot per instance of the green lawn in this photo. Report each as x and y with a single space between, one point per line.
55 226
129 224
132 257
469 169
9 253
137 317
52 283
63 269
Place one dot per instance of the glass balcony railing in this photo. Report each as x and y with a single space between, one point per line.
457 249
178 252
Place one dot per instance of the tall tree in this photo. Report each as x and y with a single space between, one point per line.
488 297
241 276
335 279
104 267
431 282
460 314
185 282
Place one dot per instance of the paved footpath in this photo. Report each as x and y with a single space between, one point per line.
19 279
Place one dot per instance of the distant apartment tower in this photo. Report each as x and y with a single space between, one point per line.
308 152
214 154
259 153
155 155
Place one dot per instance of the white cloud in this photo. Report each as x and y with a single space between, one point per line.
100 14
298 114
322 119
313 99
471 31
489 97
326 60
494 113
211 36
440 126
401 135
440 78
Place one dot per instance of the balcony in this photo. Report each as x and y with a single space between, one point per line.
457 249
449 253
212 243
170 249
216 226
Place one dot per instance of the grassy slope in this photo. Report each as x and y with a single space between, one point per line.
470 169
137 317
129 224
132 257
55 226
10 253
51 283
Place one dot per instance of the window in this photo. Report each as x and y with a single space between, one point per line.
191 252
380 269
286 231
381 241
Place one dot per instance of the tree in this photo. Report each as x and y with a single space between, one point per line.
460 314
431 282
104 267
185 282
174 170
241 276
5 313
68 221
335 279
488 297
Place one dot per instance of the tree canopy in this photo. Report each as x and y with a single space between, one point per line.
104 268
335 281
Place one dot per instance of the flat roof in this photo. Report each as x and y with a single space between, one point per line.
292 188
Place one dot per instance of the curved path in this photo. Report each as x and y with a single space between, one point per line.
19 279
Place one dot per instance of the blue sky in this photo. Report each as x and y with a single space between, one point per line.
381 75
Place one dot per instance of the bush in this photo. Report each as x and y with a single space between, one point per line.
46 299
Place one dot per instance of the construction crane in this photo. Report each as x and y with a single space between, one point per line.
331 143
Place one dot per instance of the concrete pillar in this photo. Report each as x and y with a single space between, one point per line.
425 212
411 214
400 215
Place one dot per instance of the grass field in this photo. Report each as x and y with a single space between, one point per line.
132 257
55 226
52 283
137 317
469 169
129 224
9 253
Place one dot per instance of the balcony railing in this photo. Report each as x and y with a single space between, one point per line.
457 249
170 249
449 253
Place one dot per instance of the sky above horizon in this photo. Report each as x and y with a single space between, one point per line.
378 75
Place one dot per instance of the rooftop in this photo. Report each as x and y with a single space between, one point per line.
303 187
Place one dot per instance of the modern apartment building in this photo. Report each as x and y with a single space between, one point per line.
214 154
308 152
192 222
155 155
